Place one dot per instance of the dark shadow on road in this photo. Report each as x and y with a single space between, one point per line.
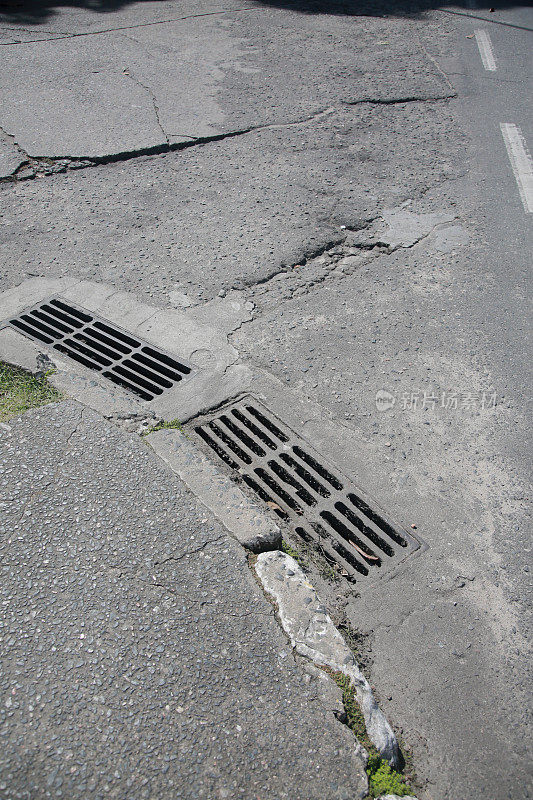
403 8
385 7
35 12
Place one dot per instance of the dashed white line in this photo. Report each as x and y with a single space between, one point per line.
485 50
521 162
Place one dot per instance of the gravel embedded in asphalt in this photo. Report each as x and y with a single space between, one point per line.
139 656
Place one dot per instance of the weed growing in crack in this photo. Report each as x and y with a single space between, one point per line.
290 551
163 425
20 391
328 572
356 641
382 779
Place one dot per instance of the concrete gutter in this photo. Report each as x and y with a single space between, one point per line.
301 613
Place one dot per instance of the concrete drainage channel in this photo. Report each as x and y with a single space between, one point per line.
327 511
93 342
138 366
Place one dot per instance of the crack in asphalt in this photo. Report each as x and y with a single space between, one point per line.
15 145
484 19
392 101
43 165
212 603
190 552
289 282
129 27
142 85
304 284
16 28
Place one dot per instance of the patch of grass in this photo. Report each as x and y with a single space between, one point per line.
20 391
290 551
164 425
382 779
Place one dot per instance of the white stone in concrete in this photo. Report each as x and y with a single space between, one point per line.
313 634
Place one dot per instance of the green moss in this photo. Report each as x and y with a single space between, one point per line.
286 548
382 778
173 424
354 716
20 391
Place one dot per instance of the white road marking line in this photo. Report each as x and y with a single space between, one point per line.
485 50
521 162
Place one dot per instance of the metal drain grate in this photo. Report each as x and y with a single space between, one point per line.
327 511
101 346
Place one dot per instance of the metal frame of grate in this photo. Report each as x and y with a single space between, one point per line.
326 510
100 345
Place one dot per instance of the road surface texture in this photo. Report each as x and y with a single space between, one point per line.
349 168
140 657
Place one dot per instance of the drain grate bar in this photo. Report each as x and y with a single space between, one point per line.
327 511
99 345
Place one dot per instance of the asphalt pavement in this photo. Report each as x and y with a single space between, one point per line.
139 656
360 175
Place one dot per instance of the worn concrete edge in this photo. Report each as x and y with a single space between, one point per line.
217 376
313 635
244 520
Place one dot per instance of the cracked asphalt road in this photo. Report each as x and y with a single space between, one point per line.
116 91
361 199
230 213
139 656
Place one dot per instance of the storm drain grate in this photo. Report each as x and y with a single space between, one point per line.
99 345
327 511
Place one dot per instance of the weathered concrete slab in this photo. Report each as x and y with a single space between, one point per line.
209 218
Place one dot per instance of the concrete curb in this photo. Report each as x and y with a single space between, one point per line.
313 634
245 521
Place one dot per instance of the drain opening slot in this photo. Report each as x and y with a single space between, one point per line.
326 510
87 339
278 490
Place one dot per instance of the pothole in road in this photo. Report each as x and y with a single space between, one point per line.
328 512
99 345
